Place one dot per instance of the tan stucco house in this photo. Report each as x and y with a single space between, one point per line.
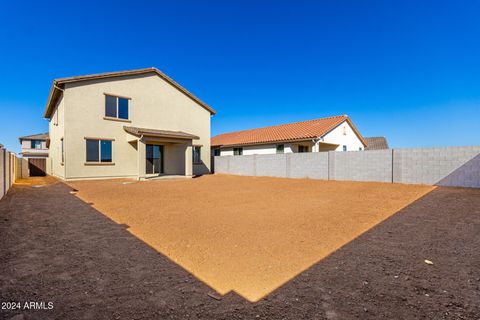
132 124
34 146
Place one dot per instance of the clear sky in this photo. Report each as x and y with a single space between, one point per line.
407 70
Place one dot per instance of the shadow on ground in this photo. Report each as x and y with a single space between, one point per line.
60 249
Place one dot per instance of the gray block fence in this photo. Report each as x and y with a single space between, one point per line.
449 166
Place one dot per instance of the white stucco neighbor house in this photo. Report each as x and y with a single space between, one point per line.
337 133
133 124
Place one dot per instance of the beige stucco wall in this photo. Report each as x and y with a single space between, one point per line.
154 104
27 144
28 152
56 133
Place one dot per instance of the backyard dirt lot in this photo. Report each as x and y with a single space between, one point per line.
240 247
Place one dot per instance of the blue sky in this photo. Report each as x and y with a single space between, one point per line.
408 70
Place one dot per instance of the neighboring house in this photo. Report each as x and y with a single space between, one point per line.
376 143
35 151
336 133
133 124
34 146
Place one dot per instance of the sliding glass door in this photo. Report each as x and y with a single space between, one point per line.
154 158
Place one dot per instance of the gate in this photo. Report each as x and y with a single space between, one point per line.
37 167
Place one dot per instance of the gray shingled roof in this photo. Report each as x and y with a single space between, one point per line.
376 143
38 136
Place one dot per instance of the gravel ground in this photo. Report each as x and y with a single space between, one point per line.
93 261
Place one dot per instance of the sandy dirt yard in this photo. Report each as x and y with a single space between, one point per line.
226 247
245 234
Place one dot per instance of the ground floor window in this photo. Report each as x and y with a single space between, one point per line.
154 158
302 148
344 148
280 148
196 154
216 152
237 151
99 150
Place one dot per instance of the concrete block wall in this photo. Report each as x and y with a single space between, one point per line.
243 166
452 166
373 165
313 165
3 189
8 170
21 168
271 165
449 166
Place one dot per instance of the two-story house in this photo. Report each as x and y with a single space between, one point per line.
34 148
132 124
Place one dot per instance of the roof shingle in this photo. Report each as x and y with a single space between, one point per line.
376 143
38 136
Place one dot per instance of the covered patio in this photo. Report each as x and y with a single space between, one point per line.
162 152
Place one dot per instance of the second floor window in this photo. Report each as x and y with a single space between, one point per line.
99 150
116 107
36 144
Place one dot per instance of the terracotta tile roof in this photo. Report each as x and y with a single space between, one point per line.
304 130
159 133
376 143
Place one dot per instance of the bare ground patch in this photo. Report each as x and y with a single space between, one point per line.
245 234
92 265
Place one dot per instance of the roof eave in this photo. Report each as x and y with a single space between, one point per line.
263 142
54 89
169 136
52 97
